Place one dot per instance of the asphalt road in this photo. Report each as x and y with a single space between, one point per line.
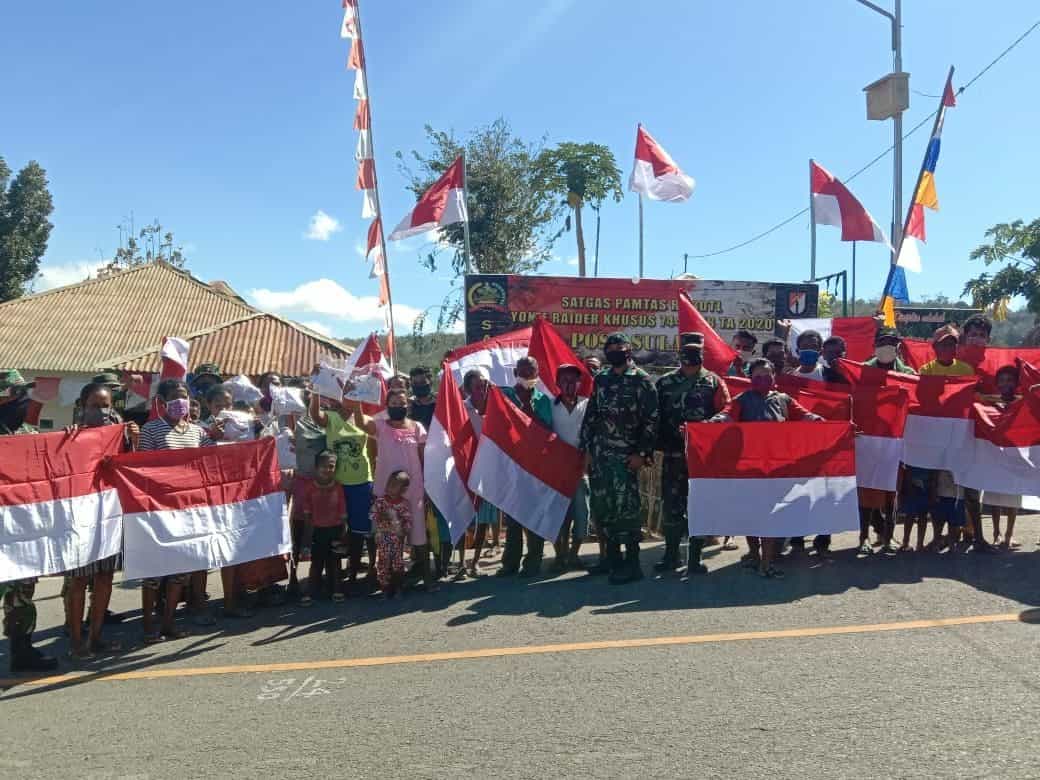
915 666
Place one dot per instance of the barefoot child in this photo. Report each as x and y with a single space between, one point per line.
325 511
915 497
392 521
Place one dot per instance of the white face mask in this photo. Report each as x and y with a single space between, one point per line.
530 384
886 353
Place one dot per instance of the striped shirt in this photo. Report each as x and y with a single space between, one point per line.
160 435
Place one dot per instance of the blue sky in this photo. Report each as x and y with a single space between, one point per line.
232 124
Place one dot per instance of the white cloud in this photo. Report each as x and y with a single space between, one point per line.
326 298
318 327
322 227
572 261
52 276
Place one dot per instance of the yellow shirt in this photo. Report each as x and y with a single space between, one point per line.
956 368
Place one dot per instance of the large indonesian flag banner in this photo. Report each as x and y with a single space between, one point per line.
450 446
1007 449
880 415
497 356
201 508
524 469
551 352
858 333
771 479
55 515
985 360
818 397
939 432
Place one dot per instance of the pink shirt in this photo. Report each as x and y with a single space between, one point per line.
399 451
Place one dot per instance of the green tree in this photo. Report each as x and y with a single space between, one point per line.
25 205
511 211
148 246
1016 245
581 173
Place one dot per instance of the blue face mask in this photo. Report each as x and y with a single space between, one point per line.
808 357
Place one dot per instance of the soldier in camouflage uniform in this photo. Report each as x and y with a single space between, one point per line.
617 437
19 610
691 393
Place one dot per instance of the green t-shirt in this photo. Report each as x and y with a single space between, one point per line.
350 444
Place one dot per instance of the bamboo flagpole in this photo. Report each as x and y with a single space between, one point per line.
391 341
812 226
940 116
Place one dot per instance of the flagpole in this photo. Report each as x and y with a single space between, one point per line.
375 182
920 177
853 278
640 235
812 226
465 222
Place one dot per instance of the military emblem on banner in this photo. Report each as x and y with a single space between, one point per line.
797 302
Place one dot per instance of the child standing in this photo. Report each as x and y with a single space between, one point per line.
916 495
325 511
392 521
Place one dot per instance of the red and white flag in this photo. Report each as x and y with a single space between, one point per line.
833 204
1007 449
985 360
718 355
443 204
880 415
771 479
173 356
817 397
201 508
858 333
497 356
369 357
524 469
655 173
551 352
55 514
450 446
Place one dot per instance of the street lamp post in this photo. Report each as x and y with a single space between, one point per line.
895 18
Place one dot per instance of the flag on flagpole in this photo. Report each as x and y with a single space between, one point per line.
443 204
451 444
718 355
197 509
655 173
349 27
771 479
835 205
55 514
897 291
356 58
551 352
524 469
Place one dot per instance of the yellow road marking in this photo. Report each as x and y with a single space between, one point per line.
501 652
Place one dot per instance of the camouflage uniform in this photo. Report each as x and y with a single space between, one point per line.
620 421
682 399
17 595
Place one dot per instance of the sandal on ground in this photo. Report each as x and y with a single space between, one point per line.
154 639
865 548
102 646
339 598
1012 544
174 633
731 545
306 601
81 653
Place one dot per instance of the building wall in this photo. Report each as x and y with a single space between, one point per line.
57 413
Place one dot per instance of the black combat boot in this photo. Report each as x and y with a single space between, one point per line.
630 571
670 561
693 559
26 658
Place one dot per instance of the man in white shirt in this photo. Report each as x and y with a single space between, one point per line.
568 411
810 345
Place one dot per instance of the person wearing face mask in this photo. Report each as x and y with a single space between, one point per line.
744 343
763 403
690 393
172 430
423 400
886 353
96 403
834 349
536 405
17 595
618 436
400 443
810 345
